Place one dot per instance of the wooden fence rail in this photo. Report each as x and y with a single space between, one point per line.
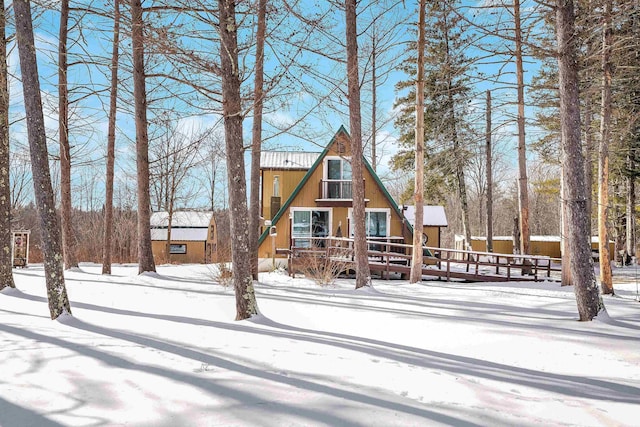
387 256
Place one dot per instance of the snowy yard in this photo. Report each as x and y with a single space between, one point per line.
164 350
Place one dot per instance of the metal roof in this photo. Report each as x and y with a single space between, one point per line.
291 160
194 219
433 216
180 234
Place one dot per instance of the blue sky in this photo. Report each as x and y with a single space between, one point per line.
89 134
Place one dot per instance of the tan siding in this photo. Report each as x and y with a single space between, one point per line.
195 252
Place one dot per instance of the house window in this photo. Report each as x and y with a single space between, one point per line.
338 179
377 222
177 249
308 223
276 186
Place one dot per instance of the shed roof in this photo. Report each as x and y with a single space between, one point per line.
433 216
192 219
287 160
180 234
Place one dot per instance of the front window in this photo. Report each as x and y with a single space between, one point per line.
376 222
307 224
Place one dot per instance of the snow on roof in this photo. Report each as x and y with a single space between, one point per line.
194 219
287 160
180 234
433 216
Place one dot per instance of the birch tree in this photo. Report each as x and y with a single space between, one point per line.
50 228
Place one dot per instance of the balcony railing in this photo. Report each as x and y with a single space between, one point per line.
336 189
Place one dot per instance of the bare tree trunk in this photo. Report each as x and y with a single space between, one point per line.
169 225
587 297
630 213
246 305
606 279
564 239
50 228
588 164
363 274
68 241
418 196
6 274
459 165
523 188
111 143
256 146
145 254
374 100
489 177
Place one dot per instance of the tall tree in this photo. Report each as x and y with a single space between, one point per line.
50 228
111 142
418 198
523 186
606 280
6 275
488 132
256 143
246 305
145 255
587 297
363 274
446 98
68 240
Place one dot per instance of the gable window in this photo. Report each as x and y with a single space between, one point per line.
309 223
338 179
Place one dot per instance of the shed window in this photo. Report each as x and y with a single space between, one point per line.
178 249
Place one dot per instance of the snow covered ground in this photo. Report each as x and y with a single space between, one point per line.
163 350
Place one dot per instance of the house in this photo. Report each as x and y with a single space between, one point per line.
306 195
433 219
193 237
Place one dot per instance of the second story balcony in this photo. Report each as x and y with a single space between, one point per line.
335 192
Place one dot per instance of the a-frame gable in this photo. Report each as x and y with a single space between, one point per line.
335 140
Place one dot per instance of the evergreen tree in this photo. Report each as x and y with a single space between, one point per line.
447 92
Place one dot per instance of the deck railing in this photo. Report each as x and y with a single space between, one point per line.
387 256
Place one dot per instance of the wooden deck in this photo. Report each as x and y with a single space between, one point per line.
386 258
